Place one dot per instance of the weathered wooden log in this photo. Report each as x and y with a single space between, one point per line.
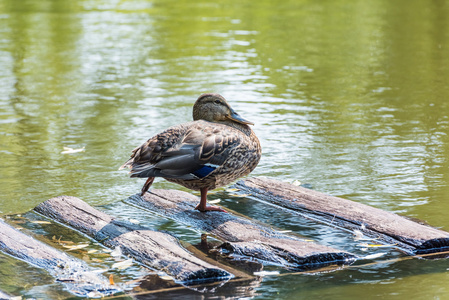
74 273
407 235
154 249
243 237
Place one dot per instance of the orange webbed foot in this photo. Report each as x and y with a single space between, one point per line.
209 208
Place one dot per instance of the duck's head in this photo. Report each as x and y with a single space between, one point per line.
215 108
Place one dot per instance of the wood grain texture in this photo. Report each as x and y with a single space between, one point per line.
157 250
74 273
409 236
242 236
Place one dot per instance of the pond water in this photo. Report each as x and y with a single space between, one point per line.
350 97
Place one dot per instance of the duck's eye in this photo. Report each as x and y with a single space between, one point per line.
217 101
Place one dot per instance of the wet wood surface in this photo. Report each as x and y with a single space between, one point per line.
243 237
409 236
74 273
155 249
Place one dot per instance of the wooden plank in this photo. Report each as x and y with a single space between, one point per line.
155 249
244 238
409 236
74 273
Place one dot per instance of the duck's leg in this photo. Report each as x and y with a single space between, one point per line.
147 185
203 203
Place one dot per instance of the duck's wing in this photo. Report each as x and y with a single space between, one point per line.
144 157
196 152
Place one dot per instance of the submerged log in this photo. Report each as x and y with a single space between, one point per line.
243 238
407 235
155 249
74 273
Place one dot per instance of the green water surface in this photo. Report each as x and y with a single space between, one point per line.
351 97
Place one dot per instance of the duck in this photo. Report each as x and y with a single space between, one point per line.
212 151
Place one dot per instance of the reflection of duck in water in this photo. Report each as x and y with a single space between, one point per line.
212 151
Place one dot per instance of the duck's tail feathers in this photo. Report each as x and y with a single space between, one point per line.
127 164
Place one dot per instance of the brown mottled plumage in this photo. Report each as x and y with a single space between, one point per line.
212 151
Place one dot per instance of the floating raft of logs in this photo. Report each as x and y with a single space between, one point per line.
241 241
241 236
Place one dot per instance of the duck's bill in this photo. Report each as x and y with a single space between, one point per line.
236 117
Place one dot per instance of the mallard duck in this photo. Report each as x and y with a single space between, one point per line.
212 151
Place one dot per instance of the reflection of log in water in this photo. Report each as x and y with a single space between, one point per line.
210 251
243 238
155 249
154 286
73 272
388 227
